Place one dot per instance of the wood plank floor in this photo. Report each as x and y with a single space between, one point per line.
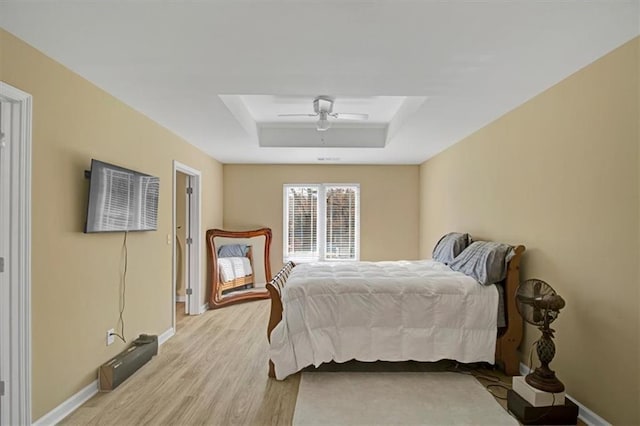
214 372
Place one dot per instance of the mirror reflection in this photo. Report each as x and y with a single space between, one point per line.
238 264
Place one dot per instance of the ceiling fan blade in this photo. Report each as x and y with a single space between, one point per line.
297 115
350 116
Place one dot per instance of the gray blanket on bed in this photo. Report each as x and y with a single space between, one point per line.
485 261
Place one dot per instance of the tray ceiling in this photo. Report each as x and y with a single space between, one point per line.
468 63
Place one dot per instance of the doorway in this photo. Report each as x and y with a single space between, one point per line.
187 284
15 256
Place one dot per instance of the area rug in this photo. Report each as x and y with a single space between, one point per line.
396 399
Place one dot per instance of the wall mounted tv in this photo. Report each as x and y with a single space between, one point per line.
121 200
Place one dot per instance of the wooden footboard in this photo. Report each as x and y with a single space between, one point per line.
235 283
509 337
275 287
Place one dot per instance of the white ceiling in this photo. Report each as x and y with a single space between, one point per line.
469 62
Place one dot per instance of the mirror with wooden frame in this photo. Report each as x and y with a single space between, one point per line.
239 265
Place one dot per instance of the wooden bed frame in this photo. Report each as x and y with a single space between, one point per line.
509 337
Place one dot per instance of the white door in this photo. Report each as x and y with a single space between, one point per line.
193 244
15 256
5 306
188 247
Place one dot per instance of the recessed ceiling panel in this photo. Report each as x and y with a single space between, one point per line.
309 137
262 118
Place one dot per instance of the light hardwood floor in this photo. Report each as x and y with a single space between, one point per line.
214 372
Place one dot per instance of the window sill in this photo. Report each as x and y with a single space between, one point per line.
308 260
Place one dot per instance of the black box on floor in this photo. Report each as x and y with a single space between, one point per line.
127 362
566 414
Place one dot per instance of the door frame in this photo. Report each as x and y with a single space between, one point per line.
19 390
194 277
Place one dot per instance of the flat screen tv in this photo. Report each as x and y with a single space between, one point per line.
121 200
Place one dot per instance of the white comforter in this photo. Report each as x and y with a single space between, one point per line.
390 311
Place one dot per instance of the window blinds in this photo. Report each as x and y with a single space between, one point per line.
321 222
340 223
302 222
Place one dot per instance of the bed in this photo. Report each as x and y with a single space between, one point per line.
391 311
235 269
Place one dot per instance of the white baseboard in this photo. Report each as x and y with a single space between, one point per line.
70 405
180 299
584 414
204 308
166 336
56 415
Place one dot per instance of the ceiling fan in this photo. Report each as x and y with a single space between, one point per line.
323 107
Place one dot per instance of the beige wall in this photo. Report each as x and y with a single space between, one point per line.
75 277
559 174
388 203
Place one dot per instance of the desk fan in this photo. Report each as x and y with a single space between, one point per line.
539 305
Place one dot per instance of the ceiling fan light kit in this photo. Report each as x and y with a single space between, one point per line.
323 123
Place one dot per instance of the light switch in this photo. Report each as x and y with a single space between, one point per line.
169 239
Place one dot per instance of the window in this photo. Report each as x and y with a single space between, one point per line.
321 222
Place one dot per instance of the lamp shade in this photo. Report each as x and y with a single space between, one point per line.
323 123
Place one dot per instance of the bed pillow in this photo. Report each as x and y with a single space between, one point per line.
450 246
484 261
233 250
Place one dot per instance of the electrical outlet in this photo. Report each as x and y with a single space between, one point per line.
110 336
